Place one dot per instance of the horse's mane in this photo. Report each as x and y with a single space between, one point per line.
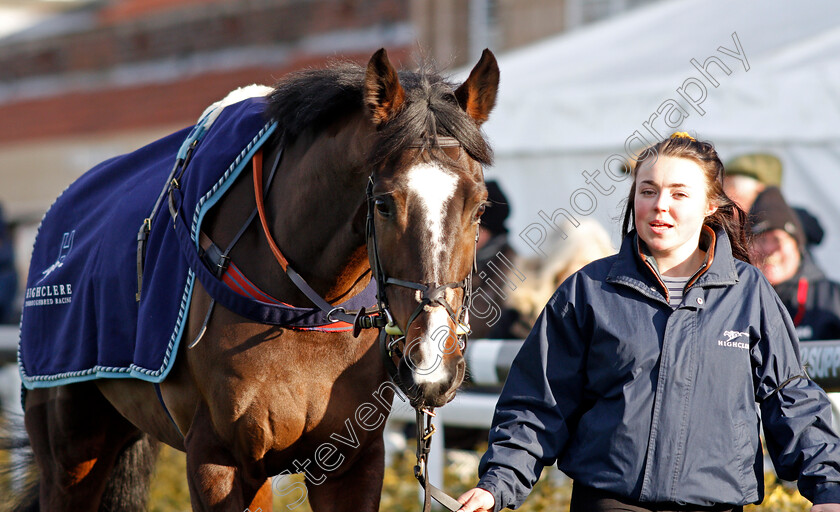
314 98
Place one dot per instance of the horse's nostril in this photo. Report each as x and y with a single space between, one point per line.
461 369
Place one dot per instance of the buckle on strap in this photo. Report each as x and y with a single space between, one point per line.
142 237
367 320
213 257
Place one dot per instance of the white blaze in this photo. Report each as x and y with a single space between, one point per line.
438 339
432 188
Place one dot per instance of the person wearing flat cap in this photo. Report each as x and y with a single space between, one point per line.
778 250
748 175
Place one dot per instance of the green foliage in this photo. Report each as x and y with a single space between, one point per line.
169 491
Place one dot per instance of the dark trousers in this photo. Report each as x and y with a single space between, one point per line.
587 499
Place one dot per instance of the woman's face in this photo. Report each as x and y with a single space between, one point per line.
671 204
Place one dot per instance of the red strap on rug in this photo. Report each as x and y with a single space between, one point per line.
236 280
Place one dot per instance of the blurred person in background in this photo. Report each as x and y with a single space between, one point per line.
749 175
492 241
8 274
778 250
582 244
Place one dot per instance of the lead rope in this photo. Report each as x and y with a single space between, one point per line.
425 431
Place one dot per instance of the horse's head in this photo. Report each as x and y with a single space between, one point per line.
425 200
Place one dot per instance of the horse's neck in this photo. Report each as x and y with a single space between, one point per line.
313 206
319 193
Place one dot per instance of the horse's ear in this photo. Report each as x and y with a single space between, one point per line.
383 94
478 94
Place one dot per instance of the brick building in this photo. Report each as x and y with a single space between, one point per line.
107 77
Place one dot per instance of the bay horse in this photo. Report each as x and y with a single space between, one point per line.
380 177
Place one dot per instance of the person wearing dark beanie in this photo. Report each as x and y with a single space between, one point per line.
497 213
778 249
492 242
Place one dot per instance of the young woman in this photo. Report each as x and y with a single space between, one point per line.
645 375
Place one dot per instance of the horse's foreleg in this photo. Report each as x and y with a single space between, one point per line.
359 488
262 501
216 479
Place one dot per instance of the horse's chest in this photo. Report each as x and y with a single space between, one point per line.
329 439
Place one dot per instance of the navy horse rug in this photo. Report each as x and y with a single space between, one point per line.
86 315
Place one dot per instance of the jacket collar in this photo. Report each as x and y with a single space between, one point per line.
634 268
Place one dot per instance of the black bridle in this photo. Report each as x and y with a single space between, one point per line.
391 335
431 294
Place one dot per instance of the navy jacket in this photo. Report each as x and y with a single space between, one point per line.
657 404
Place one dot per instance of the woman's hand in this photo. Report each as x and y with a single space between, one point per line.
479 500
825 507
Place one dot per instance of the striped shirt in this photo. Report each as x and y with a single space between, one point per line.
675 286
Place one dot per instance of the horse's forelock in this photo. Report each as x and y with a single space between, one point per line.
431 109
312 99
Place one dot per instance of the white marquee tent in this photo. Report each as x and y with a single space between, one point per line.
568 103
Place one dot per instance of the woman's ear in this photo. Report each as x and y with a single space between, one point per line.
711 209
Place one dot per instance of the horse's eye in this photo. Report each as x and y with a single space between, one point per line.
480 211
382 207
